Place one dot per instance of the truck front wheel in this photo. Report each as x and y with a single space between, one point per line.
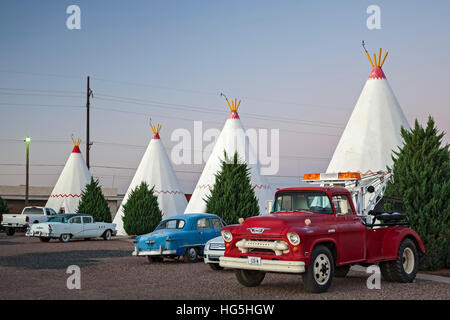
249 278
320 272
404 269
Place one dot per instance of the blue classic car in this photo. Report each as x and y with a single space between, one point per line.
184 235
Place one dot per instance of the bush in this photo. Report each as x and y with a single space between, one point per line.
232 196
141 213
93 202
421 172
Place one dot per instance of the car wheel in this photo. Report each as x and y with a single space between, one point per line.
64 237
319 274
44 239
341 272
107 235
249 278
153 259
215 266
10 231
191 255
404 269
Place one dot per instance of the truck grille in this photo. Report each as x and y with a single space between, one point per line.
276 247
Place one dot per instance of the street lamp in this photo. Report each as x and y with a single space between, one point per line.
27 176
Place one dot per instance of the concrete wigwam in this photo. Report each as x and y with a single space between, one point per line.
156 169
373 130
232 139
75 176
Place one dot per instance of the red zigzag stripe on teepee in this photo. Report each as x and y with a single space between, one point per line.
259 186
167 192
65 195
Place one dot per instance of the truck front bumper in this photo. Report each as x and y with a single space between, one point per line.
266 265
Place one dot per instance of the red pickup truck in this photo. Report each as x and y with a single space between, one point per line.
315 231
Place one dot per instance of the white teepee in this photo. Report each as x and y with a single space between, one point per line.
373 130
157 171
67 192
232 139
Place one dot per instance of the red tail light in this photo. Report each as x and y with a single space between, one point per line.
27 219
2 219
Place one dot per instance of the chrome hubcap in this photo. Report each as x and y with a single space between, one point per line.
408 260
192 253
322 269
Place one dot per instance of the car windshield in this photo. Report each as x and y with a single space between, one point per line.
33 211
302 201
58 219
172 224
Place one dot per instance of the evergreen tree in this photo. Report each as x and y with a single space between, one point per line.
232 196
141 213
93 202
421 172
3 208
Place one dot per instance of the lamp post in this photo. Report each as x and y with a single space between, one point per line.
27 176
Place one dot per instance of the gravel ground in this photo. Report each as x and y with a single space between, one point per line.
30 269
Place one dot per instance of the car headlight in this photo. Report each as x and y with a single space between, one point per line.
227 236
293 238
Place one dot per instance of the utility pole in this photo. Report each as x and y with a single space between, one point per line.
88 141
27 170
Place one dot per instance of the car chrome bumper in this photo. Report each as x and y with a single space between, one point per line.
212 256
38 234
138 252
266 265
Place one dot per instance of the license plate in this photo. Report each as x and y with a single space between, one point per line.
254 261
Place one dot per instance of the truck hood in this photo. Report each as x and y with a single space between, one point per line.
276 224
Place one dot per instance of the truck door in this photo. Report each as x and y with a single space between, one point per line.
350 231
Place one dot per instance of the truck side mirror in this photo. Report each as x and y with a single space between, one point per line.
269 205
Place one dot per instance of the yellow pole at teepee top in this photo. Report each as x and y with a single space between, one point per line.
382 62
379 57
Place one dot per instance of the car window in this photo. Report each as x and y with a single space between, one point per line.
33 211
172 224
75 220
57 219
87 220
52 212
203 223
342 205
217 223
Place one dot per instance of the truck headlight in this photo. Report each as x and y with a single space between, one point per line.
227 236
293 238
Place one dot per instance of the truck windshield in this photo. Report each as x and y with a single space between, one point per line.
57 219
303 201
33 211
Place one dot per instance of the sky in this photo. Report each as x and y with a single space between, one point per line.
298 66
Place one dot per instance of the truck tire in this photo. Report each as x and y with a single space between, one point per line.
191 255
386 271
215 266
10 231
65 237
107 235
319 274
249 278
153 259
341 272
44 239
404 269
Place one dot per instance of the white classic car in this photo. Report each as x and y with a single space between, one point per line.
214 249
70 225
